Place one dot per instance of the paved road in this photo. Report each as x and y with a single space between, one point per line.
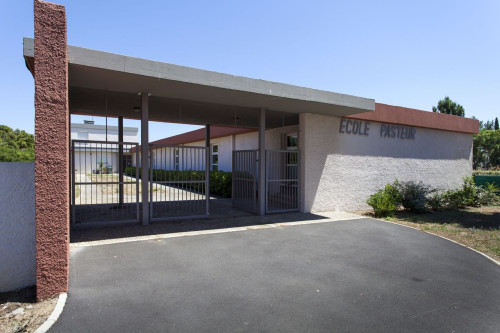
356 275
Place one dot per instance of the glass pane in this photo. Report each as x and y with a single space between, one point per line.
291 141
215 148
215 159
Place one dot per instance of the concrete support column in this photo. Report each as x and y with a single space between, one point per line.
262 162
145 156
120 159
51 150
302 161
207 167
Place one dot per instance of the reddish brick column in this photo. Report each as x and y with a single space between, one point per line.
51 150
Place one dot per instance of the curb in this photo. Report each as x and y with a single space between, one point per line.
54 315
450 240
75 246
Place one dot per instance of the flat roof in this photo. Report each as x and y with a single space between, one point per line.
101 82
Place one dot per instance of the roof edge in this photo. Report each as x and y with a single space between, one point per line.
392 114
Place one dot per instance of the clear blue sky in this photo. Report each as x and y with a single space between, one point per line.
397 52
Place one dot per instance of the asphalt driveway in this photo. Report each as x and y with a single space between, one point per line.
355 275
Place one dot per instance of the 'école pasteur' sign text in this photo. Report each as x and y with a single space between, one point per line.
360 127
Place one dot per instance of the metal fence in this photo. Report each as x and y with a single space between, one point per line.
178 182
245 180
99 193
282 181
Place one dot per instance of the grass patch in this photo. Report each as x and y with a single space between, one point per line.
477 227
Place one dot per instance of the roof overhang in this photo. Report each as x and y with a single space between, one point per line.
103 83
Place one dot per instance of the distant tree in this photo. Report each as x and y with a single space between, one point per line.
16 145
446 105
489 125
496 124
486 149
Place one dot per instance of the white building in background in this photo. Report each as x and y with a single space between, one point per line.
99 156
223 141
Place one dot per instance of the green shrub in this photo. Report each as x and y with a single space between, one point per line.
385 202
469 195
454 199
436 201
220 181
488 194
413 196
470 192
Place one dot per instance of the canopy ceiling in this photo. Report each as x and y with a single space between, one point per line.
103 83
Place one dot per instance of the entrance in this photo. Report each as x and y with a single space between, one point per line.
244 190
179 186
100 193
281 175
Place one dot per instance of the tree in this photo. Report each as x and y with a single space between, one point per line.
486 149
489 125
446 105
496 124
16 145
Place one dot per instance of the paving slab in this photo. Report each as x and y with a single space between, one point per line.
348 275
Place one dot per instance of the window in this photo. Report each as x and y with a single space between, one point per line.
292 141
215 157
176 158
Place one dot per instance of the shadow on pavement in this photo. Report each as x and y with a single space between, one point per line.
210 223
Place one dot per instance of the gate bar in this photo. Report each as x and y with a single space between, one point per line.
262 162
144 156
207 168
120 159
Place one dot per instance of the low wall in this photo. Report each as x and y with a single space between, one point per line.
343 163
17 224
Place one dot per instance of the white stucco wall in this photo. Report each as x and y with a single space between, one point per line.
242 142
225 147
17 225
340 171
98 133
273 138
87 162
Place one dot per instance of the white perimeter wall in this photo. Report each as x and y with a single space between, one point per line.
17 225
340 171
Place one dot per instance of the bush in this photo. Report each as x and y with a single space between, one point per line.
220 181
413 196
470 195
436 201
385 202
487 194
454 199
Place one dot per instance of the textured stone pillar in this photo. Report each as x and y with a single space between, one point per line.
51 150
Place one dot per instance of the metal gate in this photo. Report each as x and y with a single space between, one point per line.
282 181
245 180
179 186
99 193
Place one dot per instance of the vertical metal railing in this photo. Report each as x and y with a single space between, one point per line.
282 181
98 196
178 182
244 190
